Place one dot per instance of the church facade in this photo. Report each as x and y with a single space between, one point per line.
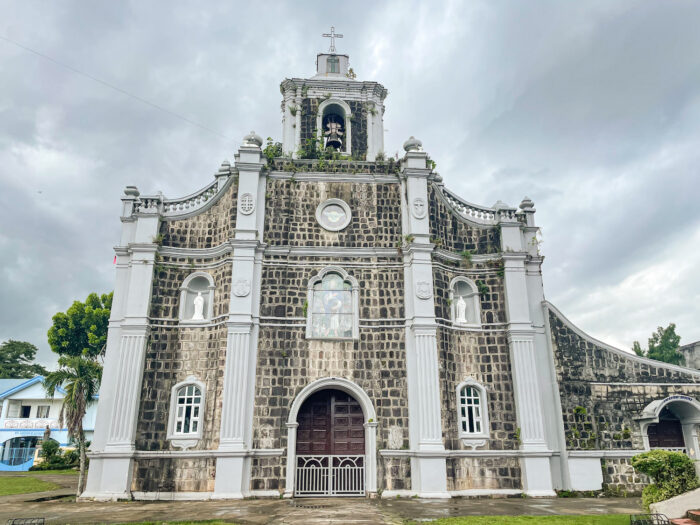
313 324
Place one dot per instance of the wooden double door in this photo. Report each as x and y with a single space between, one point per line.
330 446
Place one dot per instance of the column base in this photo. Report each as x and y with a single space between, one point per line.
109 479
232 478
429 477
536 477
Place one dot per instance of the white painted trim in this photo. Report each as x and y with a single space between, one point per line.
176 454
330 202
185 441
518 453
475 298
627 355
355 293
185 291
469 439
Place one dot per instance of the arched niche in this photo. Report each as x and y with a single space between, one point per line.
466 313
197 284
337 110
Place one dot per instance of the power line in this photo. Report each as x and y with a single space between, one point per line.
115 88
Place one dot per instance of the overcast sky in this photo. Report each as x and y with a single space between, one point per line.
592 109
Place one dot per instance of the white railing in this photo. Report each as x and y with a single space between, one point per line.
476 213
330 476
682 450
190 203
26 422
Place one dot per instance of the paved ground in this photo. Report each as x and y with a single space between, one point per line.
337 511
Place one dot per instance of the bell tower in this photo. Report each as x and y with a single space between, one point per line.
333 110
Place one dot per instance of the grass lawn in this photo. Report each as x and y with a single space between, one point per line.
64 472
23 484
605 519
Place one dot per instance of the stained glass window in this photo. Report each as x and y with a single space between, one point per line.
189 401
332 308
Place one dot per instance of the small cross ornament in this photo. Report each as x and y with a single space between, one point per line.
332 35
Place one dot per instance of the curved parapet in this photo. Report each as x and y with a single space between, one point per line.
473 213
595 344
190 205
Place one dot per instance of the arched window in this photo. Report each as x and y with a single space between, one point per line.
186 412
332 306
197 299
464 303
472 407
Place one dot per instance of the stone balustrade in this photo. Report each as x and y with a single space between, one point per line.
30 423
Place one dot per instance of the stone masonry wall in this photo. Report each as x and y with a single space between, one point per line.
290 214
174 353
210 228
287 361
455 234
601 391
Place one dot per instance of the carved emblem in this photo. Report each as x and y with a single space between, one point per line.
424 290
241 288
247 204
420 210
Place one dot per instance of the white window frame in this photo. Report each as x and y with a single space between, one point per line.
179 439
48 411
469 438
355 288
475 297
184 289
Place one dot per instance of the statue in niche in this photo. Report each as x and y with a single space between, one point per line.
198 308
461 308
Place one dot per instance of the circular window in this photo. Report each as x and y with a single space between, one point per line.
333 214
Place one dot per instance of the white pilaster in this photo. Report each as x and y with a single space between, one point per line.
111 466
528 379
428 467
233 472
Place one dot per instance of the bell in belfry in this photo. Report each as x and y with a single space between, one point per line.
334 132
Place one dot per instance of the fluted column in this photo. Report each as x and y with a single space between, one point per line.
428 465
233 468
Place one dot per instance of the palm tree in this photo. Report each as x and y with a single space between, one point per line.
79 378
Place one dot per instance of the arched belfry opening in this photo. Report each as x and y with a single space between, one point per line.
333 128
331 441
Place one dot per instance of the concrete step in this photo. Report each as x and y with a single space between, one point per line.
683 521
694 515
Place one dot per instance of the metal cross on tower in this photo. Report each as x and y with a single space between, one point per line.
332 35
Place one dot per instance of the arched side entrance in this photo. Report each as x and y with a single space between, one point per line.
671 424
331 441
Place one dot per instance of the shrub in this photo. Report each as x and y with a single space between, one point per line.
673 473
50 449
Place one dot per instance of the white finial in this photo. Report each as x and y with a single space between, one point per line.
332 35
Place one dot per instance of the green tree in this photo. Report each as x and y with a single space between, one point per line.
663 346
80 378
82 329
17 360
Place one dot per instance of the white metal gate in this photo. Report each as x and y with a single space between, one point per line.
330 476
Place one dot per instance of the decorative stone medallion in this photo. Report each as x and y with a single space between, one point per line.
420 210
423 290
333 214
241 288
247 204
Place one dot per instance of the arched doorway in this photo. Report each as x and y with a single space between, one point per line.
330 448
667 433
331 440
